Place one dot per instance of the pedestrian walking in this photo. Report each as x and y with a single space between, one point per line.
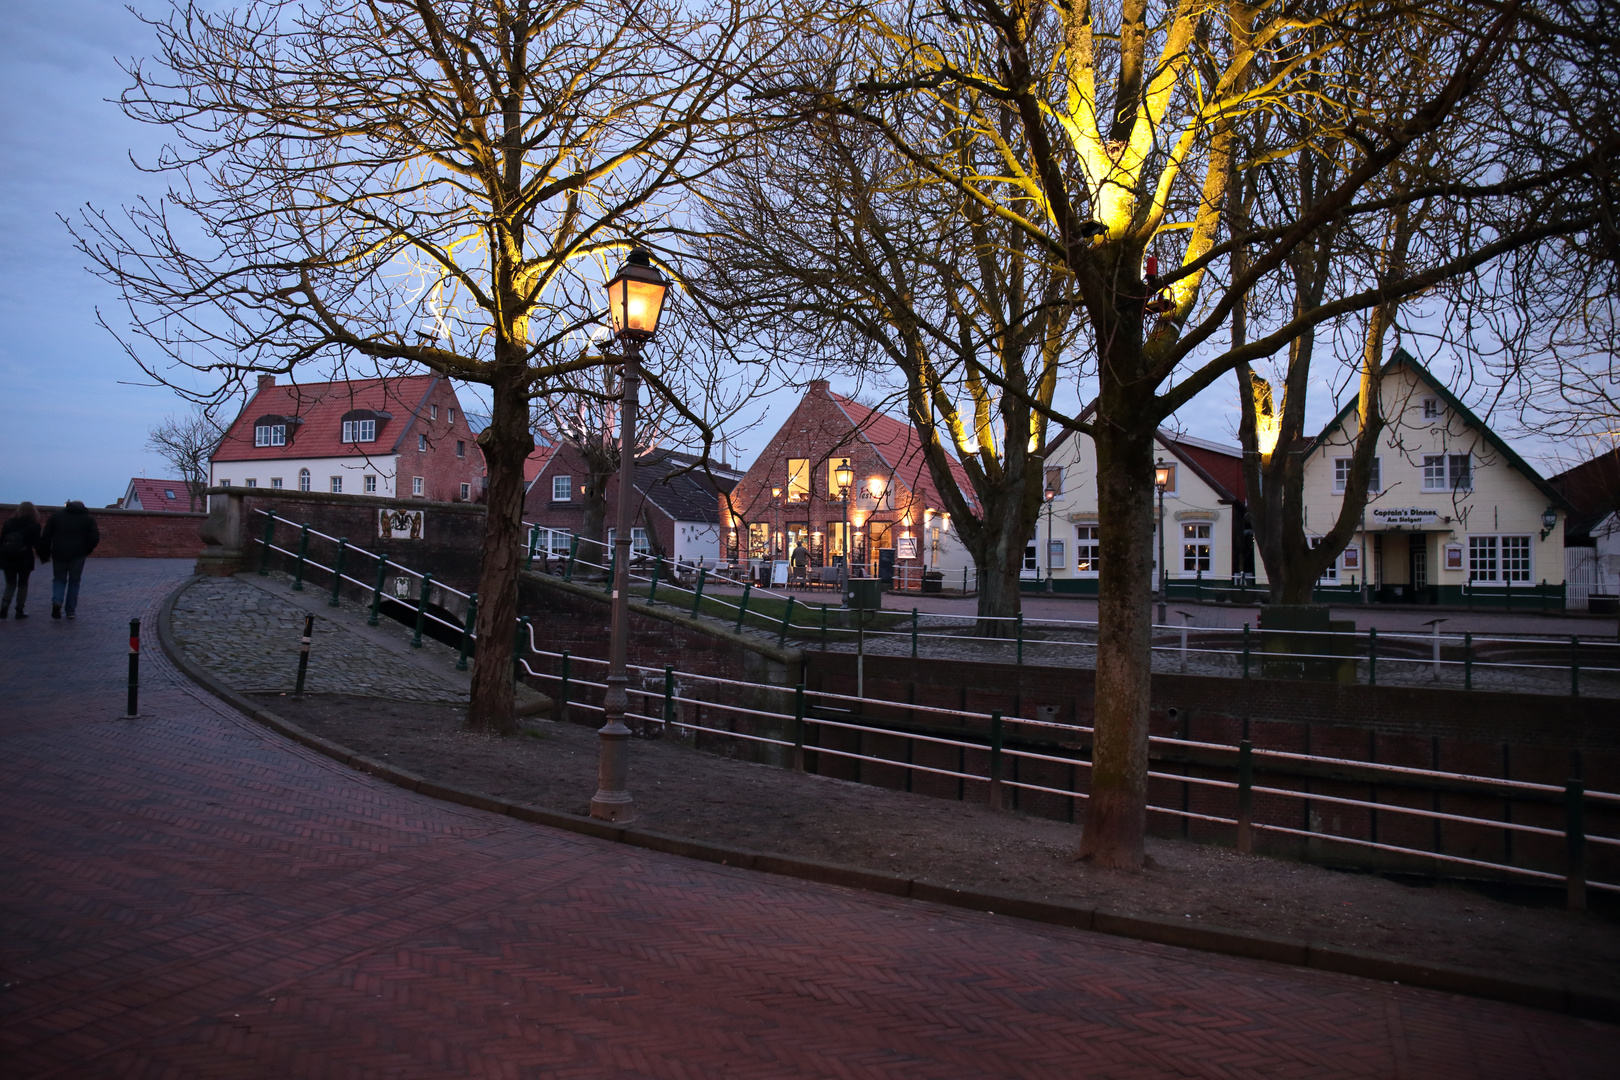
19 537
800 562
68 539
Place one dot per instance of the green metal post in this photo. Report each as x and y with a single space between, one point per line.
520 645
1575 843
467 631
298 567
562 689
697 595
787 616
995 760
742 609
269 538
421 610
798 728
914 633
964 579
1372 656
1245 834
1574 667
1245 650
534 538
669 694
376 592
337 571
573 554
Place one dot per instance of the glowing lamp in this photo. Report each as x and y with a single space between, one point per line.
844 474
636 298
1161 475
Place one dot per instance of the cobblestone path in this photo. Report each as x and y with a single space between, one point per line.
250 638
188 895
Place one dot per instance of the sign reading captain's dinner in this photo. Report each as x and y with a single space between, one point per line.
399 524
1405 517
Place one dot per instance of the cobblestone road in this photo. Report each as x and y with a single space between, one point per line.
188 895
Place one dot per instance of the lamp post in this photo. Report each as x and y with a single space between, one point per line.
1161 480
1049 496
635 301
845 476
776 510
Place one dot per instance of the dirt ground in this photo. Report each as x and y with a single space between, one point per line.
704 796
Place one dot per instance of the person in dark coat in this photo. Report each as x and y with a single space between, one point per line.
19 537
69 538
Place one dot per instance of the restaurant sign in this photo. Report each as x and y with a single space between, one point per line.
1407 517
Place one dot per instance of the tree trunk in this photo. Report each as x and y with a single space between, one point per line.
507 444
1116 813
1000 567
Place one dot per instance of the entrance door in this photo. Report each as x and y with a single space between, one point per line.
879 533
1420 561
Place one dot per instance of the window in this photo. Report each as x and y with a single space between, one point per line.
450 415
275 482
1054 479
1431 408
835 538
337 485
1031 562
360 431
1341 475
461 448
421 444
1448 472
1330 576
1499 558
1515 558
433 412
798 488
562 488
270 435
371 484
1195 547
417 486
1482 558
759 540
1054 555
638 541
251 482
303 479
168 493
224 483
466 492
1087 548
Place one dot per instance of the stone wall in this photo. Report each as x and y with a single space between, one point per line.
138 534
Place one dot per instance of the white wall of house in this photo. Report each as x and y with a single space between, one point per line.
1418 525
1594 569
353 470
1198 523
695 541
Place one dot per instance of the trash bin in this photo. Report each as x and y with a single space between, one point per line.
863 594
933 581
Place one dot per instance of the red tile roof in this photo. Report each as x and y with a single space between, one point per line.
901 448
157 495
1225 467
321 407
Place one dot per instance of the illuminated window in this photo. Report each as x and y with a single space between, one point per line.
798 485
1087 548
1195 547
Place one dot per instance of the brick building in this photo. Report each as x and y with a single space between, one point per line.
164 496
791 492
392 438
676 514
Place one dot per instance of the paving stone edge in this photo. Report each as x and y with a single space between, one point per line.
1552 997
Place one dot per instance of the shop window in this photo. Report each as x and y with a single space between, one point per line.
1087 548
798 480
1195 547
759 541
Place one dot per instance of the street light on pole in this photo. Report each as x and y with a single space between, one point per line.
845 476
1161 480
635 302
1049 496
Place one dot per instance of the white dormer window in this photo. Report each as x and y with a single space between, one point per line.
359 431
270 435
1431 408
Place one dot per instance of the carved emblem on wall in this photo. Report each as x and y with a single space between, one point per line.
400 524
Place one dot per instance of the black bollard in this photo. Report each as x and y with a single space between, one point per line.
134 664
303 653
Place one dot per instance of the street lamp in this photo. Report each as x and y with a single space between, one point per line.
635 302
776 507
844 476
1161 480
1050 497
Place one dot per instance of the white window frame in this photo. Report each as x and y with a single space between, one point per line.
466 492
251 482
370 484
418 486
335 484
1488 558
1341 475
1441 472
433 412
565 485
223 482
421 444
270 435
359 431
1330 575
275 483
303 479
450 415
1087 548
1431 408
1197 546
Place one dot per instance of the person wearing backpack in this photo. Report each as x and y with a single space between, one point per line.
68 539
19 536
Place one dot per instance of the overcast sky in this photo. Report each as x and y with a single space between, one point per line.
76 414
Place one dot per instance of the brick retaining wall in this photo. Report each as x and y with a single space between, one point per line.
138 534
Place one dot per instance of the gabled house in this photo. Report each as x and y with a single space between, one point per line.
1592 533
791 493
172 496
1205 534
393 438
1455 515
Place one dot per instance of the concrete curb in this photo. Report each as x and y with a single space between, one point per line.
1552 997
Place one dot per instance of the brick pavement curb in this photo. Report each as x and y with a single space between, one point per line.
1552 997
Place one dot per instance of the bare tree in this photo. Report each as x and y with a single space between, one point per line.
187 443
1133 120
405 184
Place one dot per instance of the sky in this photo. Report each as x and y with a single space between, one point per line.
78 409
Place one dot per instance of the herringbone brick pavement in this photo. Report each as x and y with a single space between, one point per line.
188 895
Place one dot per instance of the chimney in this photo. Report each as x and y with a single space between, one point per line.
819 386
266 382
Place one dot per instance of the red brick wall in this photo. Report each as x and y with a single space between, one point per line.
539 509
140 534
442 471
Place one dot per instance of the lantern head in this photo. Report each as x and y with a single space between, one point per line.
636 298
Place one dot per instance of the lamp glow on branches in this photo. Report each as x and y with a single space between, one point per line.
1267 417
636 298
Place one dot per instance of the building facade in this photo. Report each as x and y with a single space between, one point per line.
791 494
392 438
1592 534
168 496
1454 516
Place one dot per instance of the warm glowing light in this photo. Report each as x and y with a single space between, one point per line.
1267 419
636 297
1161 475
844 474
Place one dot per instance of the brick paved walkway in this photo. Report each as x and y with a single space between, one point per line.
186 895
